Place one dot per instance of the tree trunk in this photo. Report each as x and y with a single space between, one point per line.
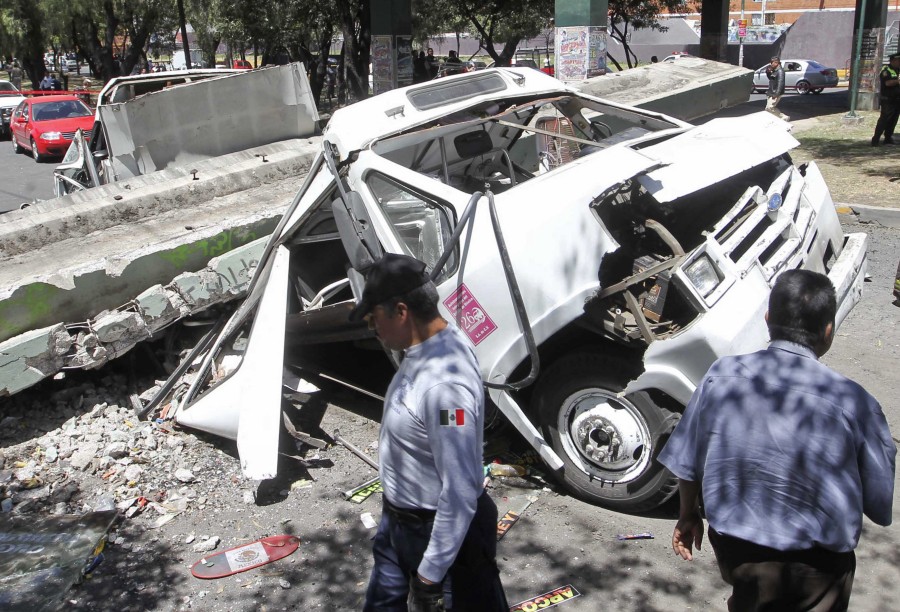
31 52
184 35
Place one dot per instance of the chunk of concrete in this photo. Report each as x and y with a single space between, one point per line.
28 358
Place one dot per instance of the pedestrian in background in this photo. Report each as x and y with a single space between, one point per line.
790 455
890 101
15 75
775 74
431 63
420 70
437 541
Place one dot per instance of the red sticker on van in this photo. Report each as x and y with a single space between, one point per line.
469 314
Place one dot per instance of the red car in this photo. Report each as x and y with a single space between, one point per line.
242 64
46 125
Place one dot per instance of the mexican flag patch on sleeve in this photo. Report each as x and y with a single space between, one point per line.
453 418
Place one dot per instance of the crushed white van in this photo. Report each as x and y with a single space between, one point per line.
599 258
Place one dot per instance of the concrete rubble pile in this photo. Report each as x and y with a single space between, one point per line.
84 450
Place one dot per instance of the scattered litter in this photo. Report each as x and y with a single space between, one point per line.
134 506
207 545
635 536
245 557
361 493
190 538
511 518
367 520
284 584
337 438
547 600
165 518
249 497
500 469
303 483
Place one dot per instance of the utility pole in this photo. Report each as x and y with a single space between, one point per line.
742 31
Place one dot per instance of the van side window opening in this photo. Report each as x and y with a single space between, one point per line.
421 223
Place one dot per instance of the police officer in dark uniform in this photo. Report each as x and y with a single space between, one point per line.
890 101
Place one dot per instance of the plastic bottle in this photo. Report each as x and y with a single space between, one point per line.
500 469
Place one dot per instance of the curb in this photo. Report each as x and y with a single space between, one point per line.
883 216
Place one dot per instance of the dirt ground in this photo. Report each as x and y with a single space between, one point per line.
856 172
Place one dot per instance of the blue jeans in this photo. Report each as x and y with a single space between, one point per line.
471 584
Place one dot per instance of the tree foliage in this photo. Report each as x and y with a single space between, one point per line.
115 36
500 25
626 15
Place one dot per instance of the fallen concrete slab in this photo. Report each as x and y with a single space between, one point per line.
687 89
76 256
120 262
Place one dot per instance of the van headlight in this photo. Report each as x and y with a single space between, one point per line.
703 275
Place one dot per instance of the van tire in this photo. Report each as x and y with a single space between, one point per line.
569 388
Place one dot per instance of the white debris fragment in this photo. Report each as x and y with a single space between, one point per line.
207 545
367 520
184 475
133 473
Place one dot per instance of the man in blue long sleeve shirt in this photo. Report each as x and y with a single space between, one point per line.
437 537
790 455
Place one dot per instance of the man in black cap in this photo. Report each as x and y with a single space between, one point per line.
890 101
436 544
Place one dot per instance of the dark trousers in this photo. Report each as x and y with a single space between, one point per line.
765 579
471 584
887 120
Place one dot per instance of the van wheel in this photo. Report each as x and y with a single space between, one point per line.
803 87
608 444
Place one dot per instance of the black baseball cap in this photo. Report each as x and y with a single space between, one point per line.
391 276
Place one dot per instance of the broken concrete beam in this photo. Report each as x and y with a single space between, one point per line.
689 88
32 356
54 270
160 306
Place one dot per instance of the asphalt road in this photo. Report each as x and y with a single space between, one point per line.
22 179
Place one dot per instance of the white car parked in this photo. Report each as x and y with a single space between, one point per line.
9 100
